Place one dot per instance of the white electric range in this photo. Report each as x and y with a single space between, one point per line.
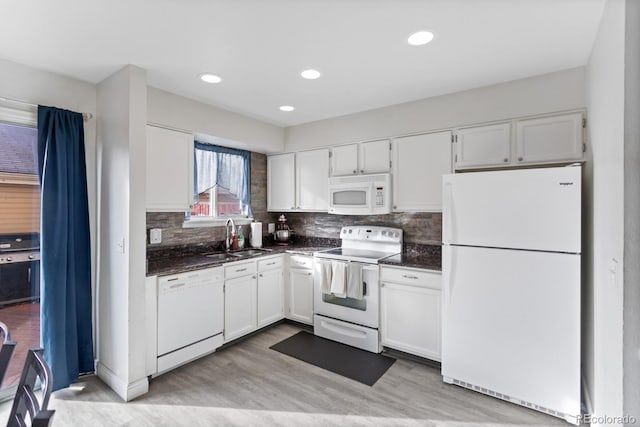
350 314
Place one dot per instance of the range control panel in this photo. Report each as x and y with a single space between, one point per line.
372 234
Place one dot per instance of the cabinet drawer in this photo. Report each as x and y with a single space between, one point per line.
239 269
411 276
297 261
270 263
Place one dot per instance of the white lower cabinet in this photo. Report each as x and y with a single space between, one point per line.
270 291
240 299
410 311
300 289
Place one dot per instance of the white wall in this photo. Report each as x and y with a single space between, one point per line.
239 131
605 100
632 212
121 155
41 87
563 90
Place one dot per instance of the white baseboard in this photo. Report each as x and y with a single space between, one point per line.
127 391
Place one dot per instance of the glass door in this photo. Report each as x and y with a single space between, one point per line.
19 245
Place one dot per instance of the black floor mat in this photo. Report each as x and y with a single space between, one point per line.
351 362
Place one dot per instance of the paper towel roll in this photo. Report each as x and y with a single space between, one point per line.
256 234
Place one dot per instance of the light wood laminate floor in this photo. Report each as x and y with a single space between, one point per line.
248 384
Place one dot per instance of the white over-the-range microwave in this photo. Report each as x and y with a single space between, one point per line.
360 194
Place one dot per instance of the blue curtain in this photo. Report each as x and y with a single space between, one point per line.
65 251
221 165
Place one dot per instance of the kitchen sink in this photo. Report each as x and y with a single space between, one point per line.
230 256
218 257
248 253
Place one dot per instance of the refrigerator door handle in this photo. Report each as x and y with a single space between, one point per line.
447 212
447 273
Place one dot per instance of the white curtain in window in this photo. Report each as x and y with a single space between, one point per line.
225 167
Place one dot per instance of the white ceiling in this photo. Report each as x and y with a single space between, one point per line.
259 47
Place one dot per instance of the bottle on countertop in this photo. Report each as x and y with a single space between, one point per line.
240 238
234 241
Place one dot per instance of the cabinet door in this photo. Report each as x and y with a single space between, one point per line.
270 297
483 146
419 162
344 160
169 170
240 307
301 295
549 139
410 319
312 179
375 157
281 182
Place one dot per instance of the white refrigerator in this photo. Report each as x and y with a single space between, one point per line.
511 286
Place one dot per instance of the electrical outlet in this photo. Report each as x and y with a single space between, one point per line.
272 228
155 235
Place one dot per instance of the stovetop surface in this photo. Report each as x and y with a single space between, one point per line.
366 255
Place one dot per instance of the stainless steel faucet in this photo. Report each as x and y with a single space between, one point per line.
229 239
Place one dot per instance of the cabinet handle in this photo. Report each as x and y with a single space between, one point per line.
260 275
361 170
519 159
177 285
406 276
293 208
253 277
172 280
271 263
308 274
506 160
241 269
395 207
355 171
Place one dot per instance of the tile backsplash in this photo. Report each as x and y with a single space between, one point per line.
424 228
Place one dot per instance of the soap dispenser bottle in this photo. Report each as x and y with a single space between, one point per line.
240 238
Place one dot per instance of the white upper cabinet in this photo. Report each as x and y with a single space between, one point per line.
281 182
361 158
298 181
537 140
169 170
312 179
549 139
419 161
344 160
482 146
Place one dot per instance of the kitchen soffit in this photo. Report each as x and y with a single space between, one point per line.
259 48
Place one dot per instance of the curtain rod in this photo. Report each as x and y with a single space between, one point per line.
85 116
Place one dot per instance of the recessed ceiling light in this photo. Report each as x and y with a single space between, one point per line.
287 108
420 38
310 74
210 78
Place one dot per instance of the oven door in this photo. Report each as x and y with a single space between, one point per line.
363 311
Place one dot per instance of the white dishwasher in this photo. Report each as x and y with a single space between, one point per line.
190 316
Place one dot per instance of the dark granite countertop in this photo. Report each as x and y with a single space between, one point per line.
428 257
187 258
